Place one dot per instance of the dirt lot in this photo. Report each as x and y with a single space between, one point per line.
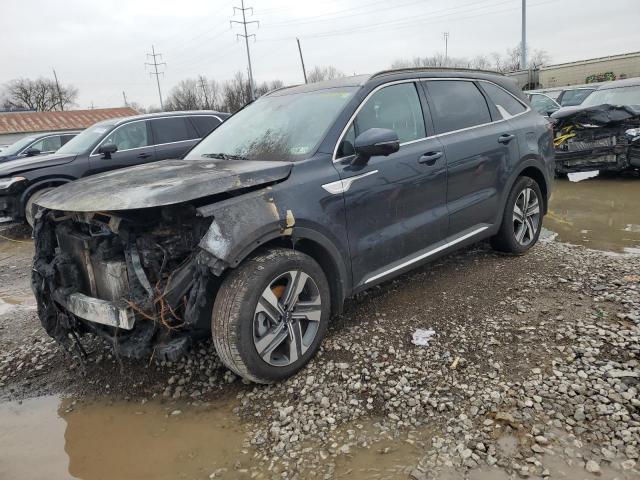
533 372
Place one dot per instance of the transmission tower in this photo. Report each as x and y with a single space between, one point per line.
155 64
246 36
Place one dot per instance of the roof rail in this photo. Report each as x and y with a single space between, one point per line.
431 69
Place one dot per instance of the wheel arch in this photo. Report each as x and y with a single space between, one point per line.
318 247
39 185
531 167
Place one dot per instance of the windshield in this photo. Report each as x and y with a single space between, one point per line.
15 148
571 98
85 140
614 96
279 127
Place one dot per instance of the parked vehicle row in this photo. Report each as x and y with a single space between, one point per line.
107 145
307 196
603 133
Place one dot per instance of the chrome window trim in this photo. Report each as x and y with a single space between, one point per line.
426 254
94 154
425 79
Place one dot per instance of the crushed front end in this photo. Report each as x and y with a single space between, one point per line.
604 137
137 279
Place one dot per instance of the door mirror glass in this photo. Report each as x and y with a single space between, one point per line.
32 152
107 150
375 142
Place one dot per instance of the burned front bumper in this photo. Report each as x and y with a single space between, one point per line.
146 293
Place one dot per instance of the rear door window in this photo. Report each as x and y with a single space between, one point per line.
507 105
456 104
205 124
173 129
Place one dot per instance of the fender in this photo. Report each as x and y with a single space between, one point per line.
530 161
244 223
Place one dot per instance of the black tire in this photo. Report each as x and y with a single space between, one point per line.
506 240
29 206
234 319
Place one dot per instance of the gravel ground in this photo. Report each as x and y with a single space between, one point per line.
533 369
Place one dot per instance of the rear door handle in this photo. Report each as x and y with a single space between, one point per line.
506 138
430 158
144 155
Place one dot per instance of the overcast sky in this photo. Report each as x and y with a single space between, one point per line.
100 46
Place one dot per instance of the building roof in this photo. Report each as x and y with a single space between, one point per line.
29 122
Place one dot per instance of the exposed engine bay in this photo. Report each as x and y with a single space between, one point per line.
138 277
603 137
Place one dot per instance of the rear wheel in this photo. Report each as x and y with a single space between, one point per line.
29 208
522 218
271 314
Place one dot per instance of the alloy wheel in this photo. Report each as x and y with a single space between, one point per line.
526 216
287 318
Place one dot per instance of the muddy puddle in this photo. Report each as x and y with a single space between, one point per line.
599 212
49 438
54 439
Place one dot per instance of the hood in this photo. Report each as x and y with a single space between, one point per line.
162 183
12 167
598 114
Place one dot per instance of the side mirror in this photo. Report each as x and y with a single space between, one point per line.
375 142
552 110
32 152
107 150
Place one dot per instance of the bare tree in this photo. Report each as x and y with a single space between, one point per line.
510 61
320 74
41 94
266 87
236 93
184 96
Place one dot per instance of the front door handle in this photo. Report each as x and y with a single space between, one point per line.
430 158
144 155
506 138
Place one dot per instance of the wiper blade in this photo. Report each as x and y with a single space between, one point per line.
225 156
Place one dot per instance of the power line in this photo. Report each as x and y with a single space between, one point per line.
523 45
155 65
446 45
304 71
58 88
246 36
204 91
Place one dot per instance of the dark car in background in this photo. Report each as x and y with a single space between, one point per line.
33 145
603 133
306 197
107 145
572 96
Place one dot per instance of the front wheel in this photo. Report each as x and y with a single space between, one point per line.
522 218
271 314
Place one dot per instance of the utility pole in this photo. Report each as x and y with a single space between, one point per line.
246 36
304 71
155 65
204 91
446 46
124 96
58 88
523 44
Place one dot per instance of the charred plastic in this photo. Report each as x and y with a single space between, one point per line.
603 137
136 278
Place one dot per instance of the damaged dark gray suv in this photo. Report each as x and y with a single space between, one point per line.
306 197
